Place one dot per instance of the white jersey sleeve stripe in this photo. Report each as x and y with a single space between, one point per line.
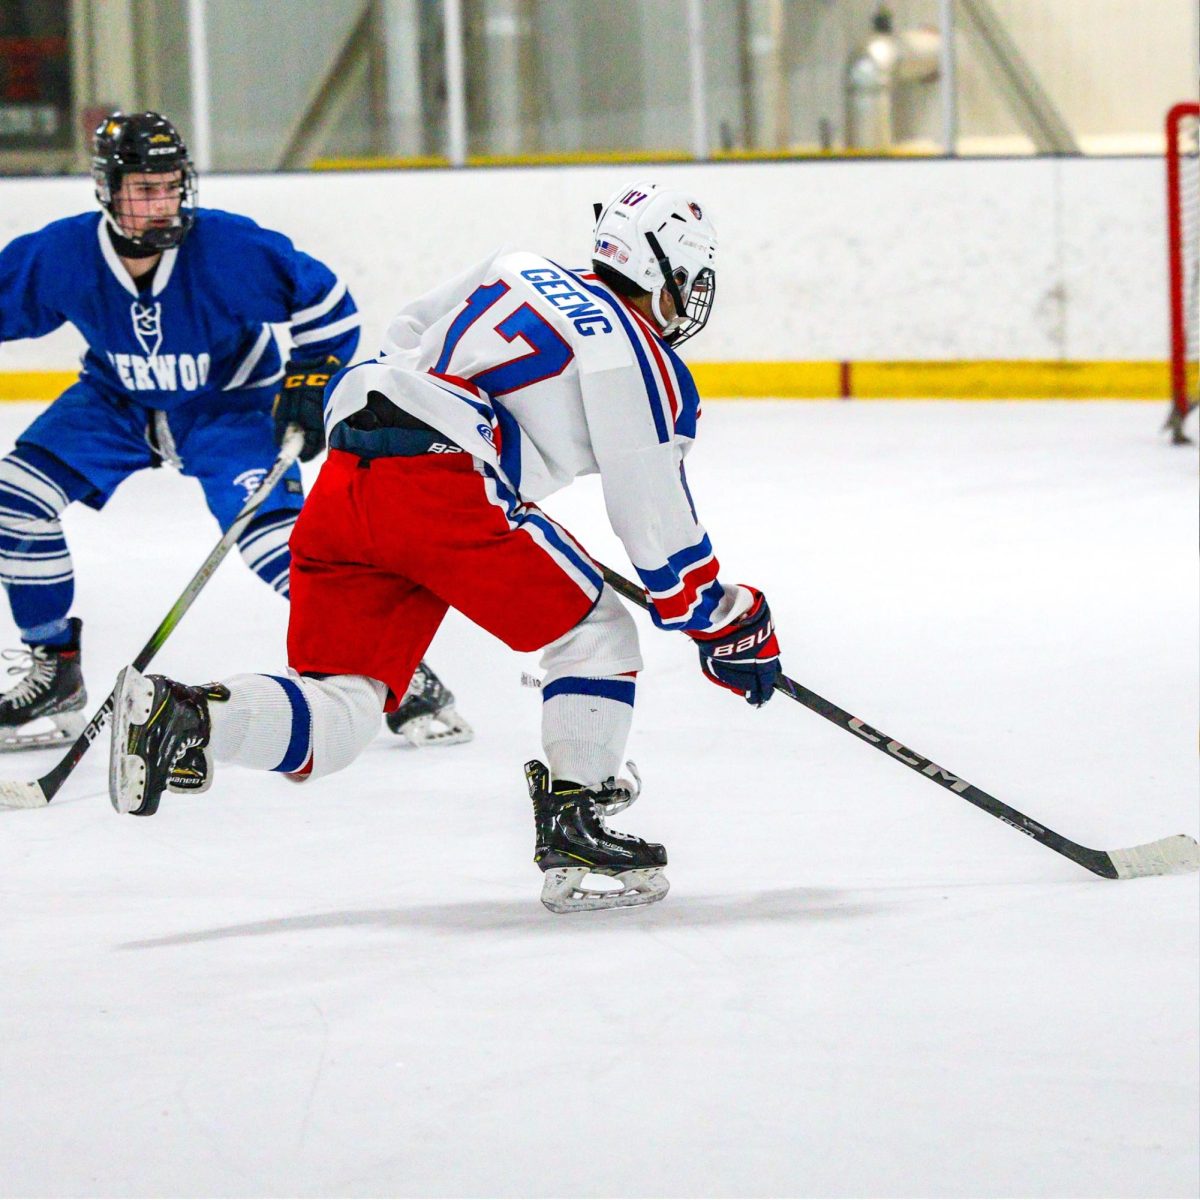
353 321
654 393
250 361
332 298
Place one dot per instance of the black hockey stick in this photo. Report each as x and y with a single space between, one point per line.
39 792
1168 856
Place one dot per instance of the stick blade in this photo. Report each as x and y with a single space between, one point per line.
1178 855
16 794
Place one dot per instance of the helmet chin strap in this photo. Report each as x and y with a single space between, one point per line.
667 325
124 245
668 285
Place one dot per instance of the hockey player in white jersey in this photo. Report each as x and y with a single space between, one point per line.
493 392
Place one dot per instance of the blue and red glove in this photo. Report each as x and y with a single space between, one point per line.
744 655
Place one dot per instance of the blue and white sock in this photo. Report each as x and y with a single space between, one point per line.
35 564
264 546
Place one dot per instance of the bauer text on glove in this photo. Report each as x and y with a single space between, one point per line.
301 402
743 656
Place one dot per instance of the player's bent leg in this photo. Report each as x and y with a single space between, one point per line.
35 568
426 715
264 547
589 681
167 735
588 685
35 564
297 725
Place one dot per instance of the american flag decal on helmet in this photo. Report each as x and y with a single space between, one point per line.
694 208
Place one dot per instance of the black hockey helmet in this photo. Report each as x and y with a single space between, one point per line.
143 142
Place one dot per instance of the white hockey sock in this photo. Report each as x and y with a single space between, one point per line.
290 723
265 723
585 725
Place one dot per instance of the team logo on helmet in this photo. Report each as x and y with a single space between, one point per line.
694 209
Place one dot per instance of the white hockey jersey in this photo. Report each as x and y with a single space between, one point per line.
545 374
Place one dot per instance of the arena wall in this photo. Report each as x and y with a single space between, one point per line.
987 277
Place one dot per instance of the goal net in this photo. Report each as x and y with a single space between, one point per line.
1183 234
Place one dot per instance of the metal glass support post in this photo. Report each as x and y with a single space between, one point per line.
695 20
949 79
201 131
402 73
456 93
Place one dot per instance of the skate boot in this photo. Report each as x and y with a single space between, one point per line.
573 842
426 716
52 687
159 740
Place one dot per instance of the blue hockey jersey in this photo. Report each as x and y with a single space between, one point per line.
204 325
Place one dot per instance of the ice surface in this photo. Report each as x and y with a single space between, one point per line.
859 985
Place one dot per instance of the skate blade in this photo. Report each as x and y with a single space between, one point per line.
445 728
127 772
65 727
563 890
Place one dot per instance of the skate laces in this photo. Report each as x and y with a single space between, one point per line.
616 795
37 667
603 812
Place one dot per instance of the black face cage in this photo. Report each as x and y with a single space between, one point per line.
107 178
694 314
696 310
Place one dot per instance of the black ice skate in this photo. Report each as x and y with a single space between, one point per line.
573 842
52 687
427 716
159 740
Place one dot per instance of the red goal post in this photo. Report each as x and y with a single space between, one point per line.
1183 257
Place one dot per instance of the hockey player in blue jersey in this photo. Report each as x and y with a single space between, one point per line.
176 304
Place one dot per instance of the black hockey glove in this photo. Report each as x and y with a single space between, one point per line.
301 401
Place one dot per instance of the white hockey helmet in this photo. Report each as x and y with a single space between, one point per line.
660 238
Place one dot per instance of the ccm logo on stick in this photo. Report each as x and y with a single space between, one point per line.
905 755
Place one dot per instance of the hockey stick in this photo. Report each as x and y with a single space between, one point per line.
38 793
1168 856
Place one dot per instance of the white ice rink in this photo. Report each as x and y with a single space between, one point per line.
860 985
